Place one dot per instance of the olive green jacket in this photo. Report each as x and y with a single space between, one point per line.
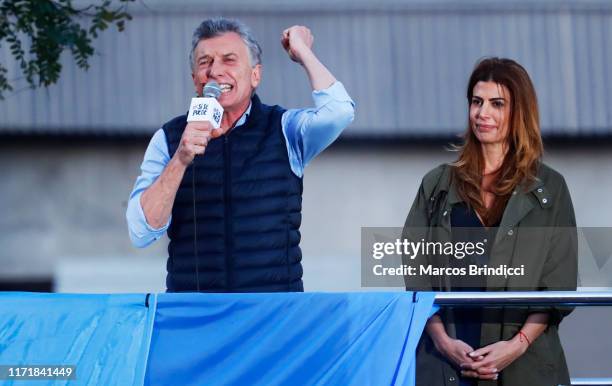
537 230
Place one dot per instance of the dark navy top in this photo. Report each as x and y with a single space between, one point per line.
466 227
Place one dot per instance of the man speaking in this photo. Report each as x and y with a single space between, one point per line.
230 198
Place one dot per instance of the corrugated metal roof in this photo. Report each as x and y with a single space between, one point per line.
406 64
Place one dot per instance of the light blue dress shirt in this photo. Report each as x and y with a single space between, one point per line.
307 133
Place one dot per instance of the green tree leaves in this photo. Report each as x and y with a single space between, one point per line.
45 28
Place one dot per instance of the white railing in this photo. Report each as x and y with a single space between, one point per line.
532 298
591 381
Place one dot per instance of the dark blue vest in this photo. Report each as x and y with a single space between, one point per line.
248 211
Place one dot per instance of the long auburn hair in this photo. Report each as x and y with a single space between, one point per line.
523 144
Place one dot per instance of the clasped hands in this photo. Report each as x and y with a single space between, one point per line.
485 362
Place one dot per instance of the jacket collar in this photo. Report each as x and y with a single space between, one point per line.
519 198
524 198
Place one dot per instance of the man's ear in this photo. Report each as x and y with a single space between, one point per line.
256 76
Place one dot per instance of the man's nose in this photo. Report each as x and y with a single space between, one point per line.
214 70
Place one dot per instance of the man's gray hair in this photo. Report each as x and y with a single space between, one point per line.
214 27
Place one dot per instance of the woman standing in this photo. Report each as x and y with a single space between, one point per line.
499 189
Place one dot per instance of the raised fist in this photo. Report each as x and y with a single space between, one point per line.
296 41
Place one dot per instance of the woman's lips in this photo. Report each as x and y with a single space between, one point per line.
485 127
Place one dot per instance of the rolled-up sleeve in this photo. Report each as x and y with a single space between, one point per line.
309 131
155 160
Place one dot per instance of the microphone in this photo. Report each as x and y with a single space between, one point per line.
207 108
212 90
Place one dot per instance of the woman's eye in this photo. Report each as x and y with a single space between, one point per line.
498 104
476 102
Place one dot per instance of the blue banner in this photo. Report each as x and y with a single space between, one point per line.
106 337
214 339
287 338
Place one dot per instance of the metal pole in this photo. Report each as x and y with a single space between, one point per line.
526 298
591 381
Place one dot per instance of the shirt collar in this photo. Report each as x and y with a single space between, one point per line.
244 116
